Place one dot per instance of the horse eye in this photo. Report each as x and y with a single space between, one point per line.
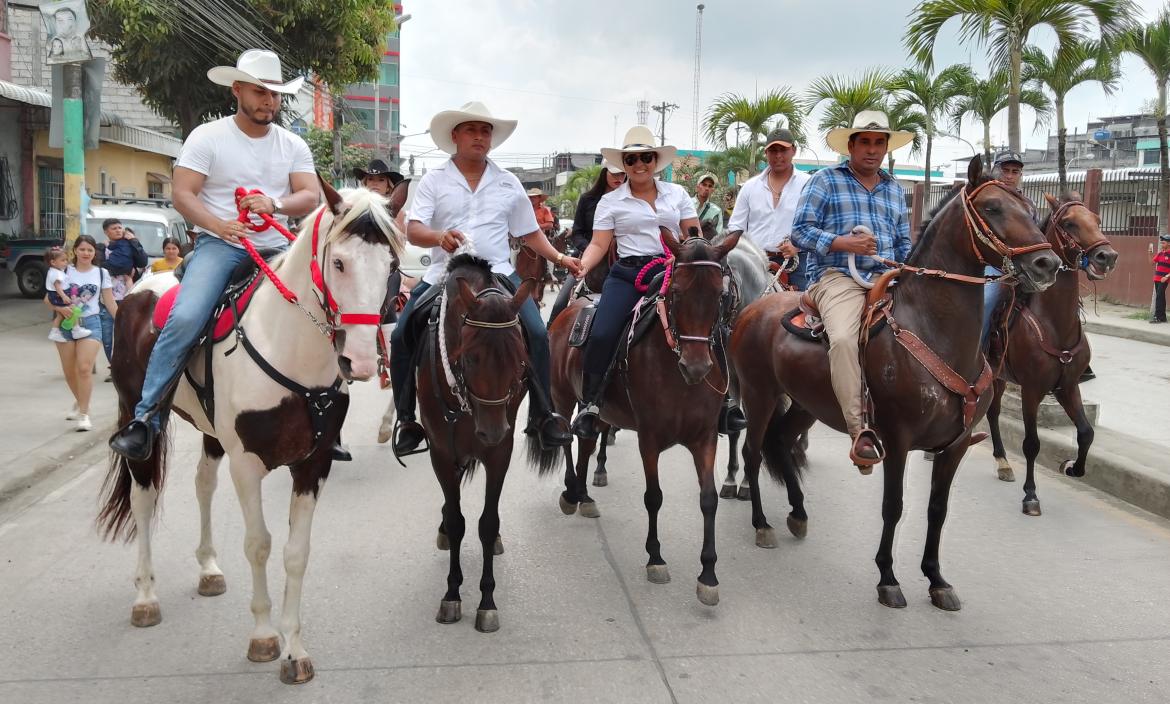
338 265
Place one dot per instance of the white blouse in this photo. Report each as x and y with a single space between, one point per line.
635 223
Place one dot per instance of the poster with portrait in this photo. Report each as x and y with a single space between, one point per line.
66 22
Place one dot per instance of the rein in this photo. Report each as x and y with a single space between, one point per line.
455 378
978 229
1065 244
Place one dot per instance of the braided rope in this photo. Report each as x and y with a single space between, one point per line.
468 247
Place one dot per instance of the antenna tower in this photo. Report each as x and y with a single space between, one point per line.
698 55
643 111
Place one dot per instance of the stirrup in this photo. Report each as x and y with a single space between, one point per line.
589 415
565 439
865 464
399 425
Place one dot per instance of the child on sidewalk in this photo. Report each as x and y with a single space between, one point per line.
58 263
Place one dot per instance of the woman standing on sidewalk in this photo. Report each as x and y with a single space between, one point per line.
77 356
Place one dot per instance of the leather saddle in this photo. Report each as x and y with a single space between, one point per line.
805 322
241 285
642 312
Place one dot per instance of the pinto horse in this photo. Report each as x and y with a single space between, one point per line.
278 401
938 306
1044 346
669 389
471 379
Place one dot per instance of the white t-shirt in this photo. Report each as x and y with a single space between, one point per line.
497 208
635 223
767 226
89 285
52 277
229 159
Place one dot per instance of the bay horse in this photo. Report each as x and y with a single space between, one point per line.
530 265
669 389
1044 348
278 401
471 379
938 305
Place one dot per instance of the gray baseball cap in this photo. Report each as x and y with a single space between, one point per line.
780 135
1008 158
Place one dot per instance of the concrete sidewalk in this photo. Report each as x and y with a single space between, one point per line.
1120 321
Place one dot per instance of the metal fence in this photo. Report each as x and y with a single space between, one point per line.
51 182
936 194
1130 202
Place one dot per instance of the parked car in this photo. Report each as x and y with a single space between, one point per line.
415 260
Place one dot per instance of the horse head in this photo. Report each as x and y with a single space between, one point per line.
356 249
1075 234
694 300
488 349
1002 232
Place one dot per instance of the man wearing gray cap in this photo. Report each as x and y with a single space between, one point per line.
710 215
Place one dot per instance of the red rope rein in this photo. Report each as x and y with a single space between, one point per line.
267 221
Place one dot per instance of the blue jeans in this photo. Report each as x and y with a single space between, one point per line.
537 333
91 323
209 267
107 323
400 356
618 297
991 296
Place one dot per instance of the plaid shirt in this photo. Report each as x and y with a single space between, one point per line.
833 203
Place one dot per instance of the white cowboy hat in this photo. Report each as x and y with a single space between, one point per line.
611 168
444 122
257 66
867 121
640 139
536 193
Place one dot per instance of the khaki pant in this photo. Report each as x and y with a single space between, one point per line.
841 300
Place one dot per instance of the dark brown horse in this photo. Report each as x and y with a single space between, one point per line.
1043 347
912 409
669 390
471 379
530 265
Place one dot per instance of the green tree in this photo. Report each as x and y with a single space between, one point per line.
1004 26
905 118
984 98
321 144
579 182
932 95
777 107
743 161
846 96
1151 44
164 48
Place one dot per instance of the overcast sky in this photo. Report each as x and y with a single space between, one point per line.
566 70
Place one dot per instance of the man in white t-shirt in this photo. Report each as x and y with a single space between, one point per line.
243 150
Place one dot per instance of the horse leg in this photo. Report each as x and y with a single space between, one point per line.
942 595
796 424
295 665
1029 407
487 619
760 410
1003 467
600 475
576 495
656 569
247 473
386 429
451 607
211 581
729 489
1070 399
707 588
146 610
893 469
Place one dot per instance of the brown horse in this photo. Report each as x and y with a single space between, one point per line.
1043 346
912 409
530 265
669 389
471 379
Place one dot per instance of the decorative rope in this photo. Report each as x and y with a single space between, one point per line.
468 247
268 222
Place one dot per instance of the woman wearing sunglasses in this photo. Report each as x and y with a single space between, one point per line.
629 215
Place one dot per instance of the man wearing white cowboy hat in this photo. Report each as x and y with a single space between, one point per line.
242 150
852 208
471 198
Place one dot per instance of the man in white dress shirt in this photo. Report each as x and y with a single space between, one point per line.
766 205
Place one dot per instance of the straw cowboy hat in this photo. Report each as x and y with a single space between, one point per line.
867 121
257 66
377 167
444 122
640 139
537 193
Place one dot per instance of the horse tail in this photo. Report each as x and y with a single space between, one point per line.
115 521
778 454
544 461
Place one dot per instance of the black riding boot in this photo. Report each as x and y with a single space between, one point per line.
543 421
731 417
340 452
585 425
408 434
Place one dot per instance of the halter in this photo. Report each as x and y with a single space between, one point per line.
978 229
456 379
666 310
1065 244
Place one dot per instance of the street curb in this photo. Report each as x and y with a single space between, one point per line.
37 465
1126 333
1126 467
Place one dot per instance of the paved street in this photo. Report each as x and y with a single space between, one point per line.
1130 375
1070 607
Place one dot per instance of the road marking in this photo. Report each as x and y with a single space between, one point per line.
70 485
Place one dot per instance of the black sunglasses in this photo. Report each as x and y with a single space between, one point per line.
646 157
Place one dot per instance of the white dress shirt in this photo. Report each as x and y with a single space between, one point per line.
635 223
497 208
764 224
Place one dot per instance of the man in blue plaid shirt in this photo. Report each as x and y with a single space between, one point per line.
852 208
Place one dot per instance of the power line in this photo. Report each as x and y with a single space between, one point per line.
663 109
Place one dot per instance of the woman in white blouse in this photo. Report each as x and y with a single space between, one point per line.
630 215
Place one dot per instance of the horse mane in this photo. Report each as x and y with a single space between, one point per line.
466 260
367 216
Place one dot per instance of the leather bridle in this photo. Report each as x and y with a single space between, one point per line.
1072 254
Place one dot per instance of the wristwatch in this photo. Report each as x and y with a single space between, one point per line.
276 205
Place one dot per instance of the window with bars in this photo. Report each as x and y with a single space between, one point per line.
51 186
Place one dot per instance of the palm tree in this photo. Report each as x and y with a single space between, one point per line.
579 182
1151 44
905 119
933 95
847 96
1082 61
733 160
1004 25
757 116
984 98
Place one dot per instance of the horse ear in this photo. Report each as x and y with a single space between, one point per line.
1052 201
974 171
465 293
670 241
332 197
523 293
729 242
398 197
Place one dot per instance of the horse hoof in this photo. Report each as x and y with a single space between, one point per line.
567 508
600 479
945 598
766 537
487 620
1003 470
449 611
657 574
498 546
296 671
708 596
384 434
588 509
1032 508
442 542
744 494
146 615
891 596
264 649
1068 469
212 585
797 527
728 491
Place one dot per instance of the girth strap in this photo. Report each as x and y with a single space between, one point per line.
1064 356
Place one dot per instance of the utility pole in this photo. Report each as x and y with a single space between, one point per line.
663 109
643 112
73 136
